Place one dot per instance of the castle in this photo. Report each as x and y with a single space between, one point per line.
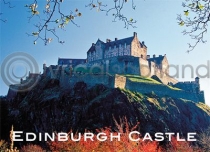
109 62
124 56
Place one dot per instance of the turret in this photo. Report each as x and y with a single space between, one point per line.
44 68
197 80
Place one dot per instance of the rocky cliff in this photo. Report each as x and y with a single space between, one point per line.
48 108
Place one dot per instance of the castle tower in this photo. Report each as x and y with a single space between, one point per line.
197 87
197 80
44 68
138 49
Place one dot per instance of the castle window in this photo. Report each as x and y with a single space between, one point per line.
115 47
110 48
119 45
125 46
141 56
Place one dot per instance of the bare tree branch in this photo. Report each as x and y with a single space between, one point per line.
49 19
9 6
46 26
116 11
3 20
197 16
7 3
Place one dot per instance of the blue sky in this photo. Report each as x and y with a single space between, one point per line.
156 25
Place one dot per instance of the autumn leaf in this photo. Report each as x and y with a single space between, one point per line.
33 7
61 26
76 10
192 5
200 6
49 40
79 14
71 17
47 6
93 5
181 23
57 21
131 20
35 12
61 42
67 20
35 33
186 13
34 42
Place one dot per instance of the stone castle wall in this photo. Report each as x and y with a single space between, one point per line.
68 80
144 67
160 90
137 50
164 77
11 93
163 90
118 81
118 65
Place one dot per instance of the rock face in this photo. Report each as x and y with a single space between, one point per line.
48 108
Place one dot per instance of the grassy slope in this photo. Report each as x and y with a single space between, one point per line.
149 81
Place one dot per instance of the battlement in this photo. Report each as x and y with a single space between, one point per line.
187 82
115 80
107 60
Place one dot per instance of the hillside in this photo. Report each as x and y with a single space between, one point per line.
48 108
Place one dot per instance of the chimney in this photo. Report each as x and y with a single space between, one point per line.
154 56
44 66
148 56
115 39
143 43
164 54
93 44
197 80
108 40
134 34
160 55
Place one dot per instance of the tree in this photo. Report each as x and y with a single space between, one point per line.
52 8
196 18
204 139
8 4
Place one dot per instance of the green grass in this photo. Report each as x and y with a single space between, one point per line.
133 95
173 88
204 107
137 78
